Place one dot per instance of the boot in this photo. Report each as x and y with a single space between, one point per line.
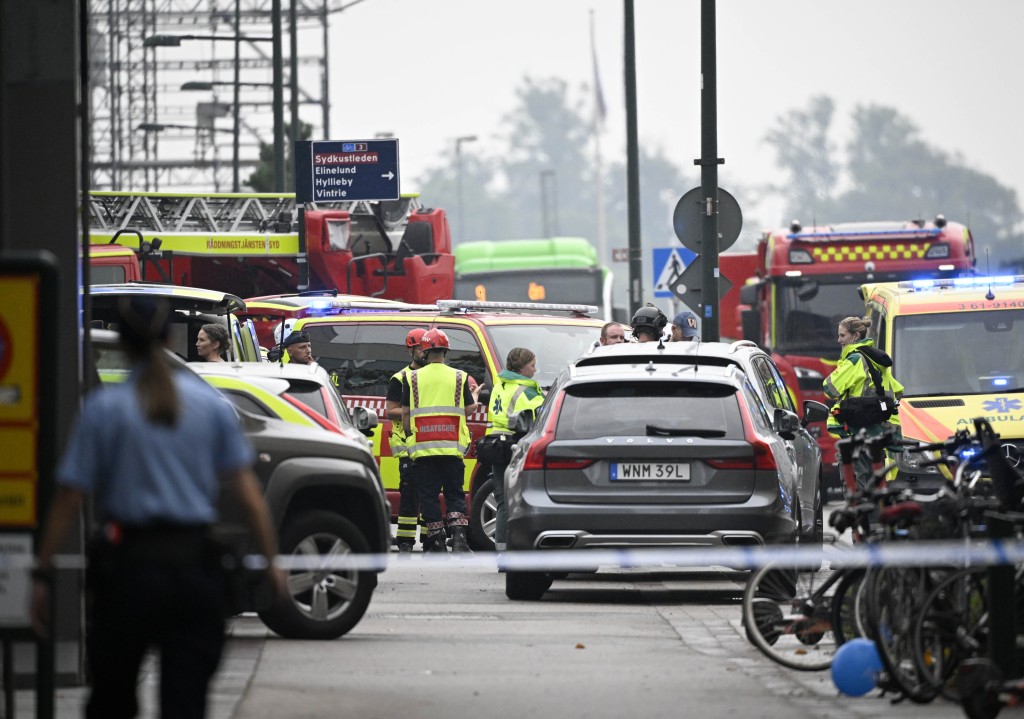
459 543
404 549
436 544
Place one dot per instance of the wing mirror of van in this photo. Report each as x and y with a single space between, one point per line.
364 420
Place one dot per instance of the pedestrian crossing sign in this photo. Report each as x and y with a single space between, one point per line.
668 264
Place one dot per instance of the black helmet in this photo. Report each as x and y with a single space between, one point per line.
648 318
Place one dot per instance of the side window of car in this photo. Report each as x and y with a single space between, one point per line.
247 403
465 353
779 383
757 409
771 383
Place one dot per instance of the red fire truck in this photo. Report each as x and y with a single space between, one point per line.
806 281
250 244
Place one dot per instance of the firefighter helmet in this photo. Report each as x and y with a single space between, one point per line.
414 337
648 318
434 339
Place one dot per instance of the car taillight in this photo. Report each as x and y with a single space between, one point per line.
763 458
536 456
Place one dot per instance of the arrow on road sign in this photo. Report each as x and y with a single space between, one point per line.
389 176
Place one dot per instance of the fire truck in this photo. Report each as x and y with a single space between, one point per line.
262 244
806 281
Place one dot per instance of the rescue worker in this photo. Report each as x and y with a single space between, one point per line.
860 363
435 403
648 323
299 348
154 453
409 501
684 327
515 391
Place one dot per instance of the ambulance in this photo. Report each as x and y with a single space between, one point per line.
957 346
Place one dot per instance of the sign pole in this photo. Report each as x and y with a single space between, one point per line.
709 162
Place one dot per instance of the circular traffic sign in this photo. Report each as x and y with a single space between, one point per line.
688 219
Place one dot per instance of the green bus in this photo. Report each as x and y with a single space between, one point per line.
558 269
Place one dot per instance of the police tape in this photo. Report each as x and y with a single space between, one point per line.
914 553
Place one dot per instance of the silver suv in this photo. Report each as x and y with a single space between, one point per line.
664 445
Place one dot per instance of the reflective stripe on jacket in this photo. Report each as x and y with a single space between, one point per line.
852 378
437 413
399 442
511 395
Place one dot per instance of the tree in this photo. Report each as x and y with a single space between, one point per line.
890 173
262 178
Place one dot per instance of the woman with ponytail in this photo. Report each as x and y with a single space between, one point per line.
153 453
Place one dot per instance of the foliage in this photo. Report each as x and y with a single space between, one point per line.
890 173
262 178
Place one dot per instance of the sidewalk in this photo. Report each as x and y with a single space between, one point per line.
246 635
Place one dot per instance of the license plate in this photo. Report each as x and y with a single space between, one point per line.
641 471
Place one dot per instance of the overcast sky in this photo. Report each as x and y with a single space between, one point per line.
429 71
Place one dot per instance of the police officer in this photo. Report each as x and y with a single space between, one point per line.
648 323
409 501
515 391
684 327
435 403
299 348
153 452
860 362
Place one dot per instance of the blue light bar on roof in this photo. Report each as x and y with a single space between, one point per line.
917 233
977 281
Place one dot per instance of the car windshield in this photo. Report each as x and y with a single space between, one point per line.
639 409
809 313
974 352
555 345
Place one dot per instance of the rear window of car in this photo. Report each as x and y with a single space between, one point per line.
309 394
639 409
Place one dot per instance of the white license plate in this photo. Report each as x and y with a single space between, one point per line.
646 471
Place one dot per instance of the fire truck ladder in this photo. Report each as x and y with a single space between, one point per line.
223 213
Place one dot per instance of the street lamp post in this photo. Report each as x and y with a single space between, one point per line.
278 80
458 182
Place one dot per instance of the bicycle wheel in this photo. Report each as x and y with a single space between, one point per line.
952 626
787 615
844 606
895 597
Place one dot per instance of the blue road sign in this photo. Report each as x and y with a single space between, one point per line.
336 170
668 264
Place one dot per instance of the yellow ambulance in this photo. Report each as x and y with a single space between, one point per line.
958 348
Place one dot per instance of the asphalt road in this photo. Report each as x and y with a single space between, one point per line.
444 641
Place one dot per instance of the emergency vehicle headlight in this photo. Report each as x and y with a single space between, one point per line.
937 251
911 462
800 257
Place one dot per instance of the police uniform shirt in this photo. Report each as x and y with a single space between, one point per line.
140 473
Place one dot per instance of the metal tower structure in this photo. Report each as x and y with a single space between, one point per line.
161 113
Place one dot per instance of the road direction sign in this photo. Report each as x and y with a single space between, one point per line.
687 287
333 170
669 263
688 219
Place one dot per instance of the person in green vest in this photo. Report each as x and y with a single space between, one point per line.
408 497
862 370
435 403
515 391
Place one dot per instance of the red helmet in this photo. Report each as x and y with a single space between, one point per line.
414 337
434 339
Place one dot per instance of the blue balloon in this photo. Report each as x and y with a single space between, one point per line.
855 666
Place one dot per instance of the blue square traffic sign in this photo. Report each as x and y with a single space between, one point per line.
331 171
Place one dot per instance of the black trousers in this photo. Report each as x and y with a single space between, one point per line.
408 503
135 604
436 475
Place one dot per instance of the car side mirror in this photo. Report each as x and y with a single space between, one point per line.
786 423
364 420
523 423
814 412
